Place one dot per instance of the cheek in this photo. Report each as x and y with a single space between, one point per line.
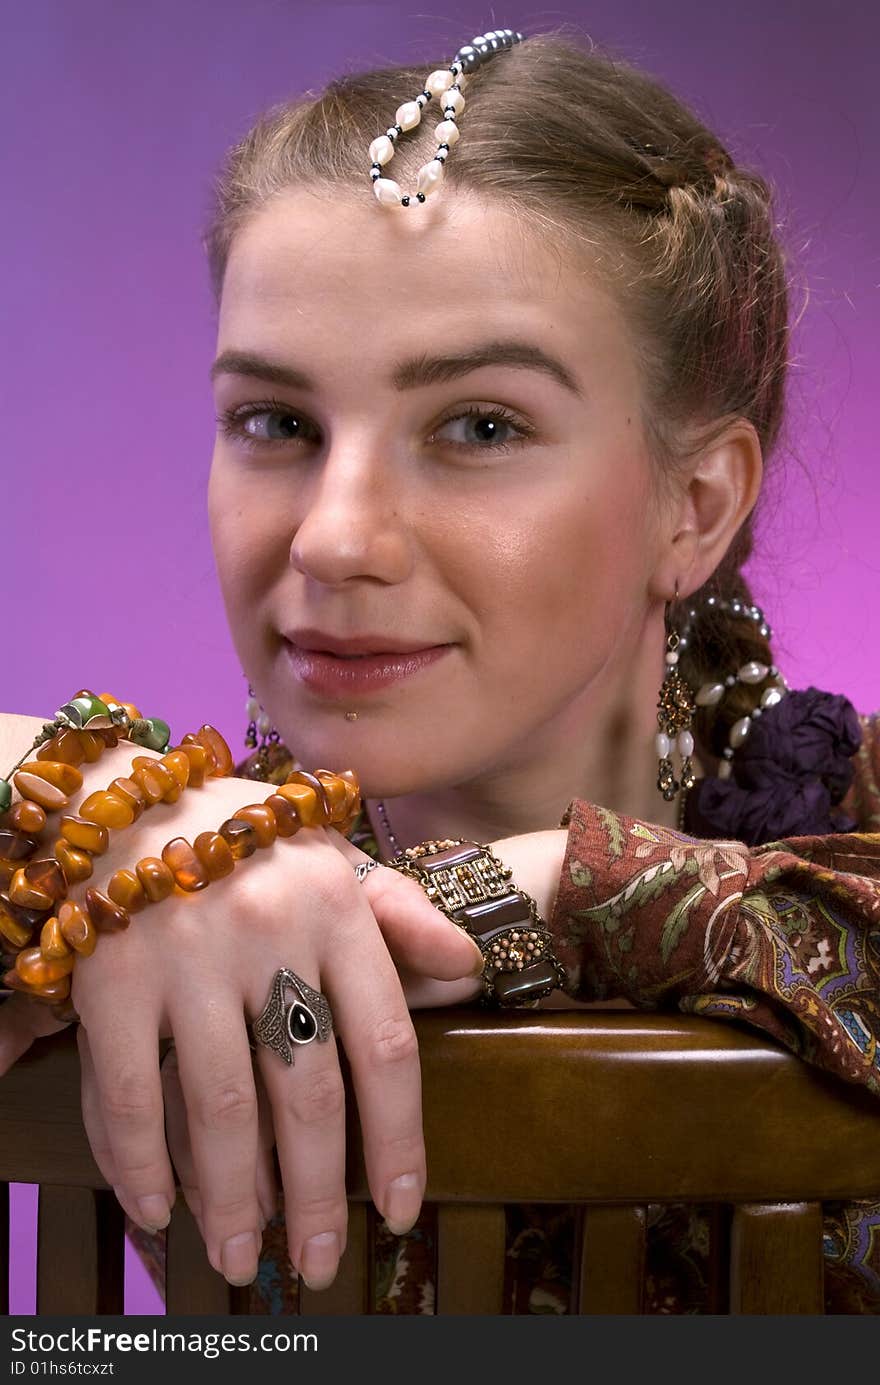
247 537
562 570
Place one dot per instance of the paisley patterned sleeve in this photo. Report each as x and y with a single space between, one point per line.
785 936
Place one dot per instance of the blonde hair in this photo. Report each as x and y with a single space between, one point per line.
593 153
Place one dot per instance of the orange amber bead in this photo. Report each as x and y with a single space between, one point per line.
76 864
27 817
85 836
335 792
128 707
178 763
185 866
52 942
156 878
13 930
39 791
7 870
65 746
305 802
198 762
37 970
286 817
240 838
92 745
302 776
106 809
218 751
171 789
53 990
105 915
130 793
126 890
48 876
148 783
22 891
67 778
214 853
261 819
16 846
77 928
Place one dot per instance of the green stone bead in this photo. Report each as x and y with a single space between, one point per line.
5 795
158 736
86 714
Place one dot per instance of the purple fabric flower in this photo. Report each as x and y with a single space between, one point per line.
795 764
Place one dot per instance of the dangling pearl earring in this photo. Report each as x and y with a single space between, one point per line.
675 713
259 722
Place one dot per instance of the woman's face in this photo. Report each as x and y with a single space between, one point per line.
430 437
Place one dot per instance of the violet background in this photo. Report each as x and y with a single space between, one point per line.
115 117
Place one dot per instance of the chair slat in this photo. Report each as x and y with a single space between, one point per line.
776 1263
80 1252
470 1258
350 1290
191 1284
612 1260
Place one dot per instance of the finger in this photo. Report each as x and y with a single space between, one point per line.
308 1112
424 993
418 936
180 1146
125 1086
177 1136
22 1020
217 1081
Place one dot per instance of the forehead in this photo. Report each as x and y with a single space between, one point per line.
432 275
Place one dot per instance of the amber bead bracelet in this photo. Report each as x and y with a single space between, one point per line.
44 972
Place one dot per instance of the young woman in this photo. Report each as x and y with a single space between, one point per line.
485 474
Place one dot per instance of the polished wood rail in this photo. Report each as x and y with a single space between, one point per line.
604 1110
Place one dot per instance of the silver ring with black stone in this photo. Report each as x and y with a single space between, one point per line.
295 1013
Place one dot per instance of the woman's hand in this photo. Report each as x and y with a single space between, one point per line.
199 967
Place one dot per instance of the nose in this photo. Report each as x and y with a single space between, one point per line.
351 525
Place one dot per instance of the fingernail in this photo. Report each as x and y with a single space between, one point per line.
239 1258
479 965
320 1260
154 1211
402 1202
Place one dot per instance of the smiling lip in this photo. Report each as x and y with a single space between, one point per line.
333 674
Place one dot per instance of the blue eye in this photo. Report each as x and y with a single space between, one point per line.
265 422
490 427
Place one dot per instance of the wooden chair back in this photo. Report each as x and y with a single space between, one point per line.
606 1111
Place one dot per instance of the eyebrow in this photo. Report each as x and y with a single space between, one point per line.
412 374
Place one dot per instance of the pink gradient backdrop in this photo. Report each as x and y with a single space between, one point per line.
115 116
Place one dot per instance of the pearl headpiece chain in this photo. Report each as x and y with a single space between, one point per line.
446 84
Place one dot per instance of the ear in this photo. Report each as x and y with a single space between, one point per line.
714 498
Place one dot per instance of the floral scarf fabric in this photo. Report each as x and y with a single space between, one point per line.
784 936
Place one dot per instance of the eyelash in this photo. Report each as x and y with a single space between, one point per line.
231 422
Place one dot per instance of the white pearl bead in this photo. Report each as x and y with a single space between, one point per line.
671 658
408 115
430 176
738 731
264 724
709 694
381 150
725 769
387 190
752 672
447 132
662 745
771 697
439 81
454 99
685 743
252 708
